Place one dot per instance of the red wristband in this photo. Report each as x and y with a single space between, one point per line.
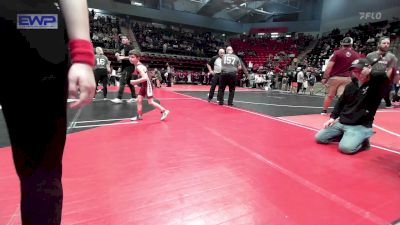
81 51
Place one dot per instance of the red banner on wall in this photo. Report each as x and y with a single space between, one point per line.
256 30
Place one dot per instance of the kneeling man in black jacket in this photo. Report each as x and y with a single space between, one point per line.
352 117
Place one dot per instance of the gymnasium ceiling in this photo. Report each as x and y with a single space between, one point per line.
250 11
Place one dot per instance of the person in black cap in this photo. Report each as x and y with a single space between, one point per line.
352 117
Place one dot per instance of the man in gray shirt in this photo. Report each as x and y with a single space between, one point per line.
230 64
387 62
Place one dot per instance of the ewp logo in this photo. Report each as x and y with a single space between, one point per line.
37 21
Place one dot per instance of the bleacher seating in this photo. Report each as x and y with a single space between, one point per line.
174 40
365 38
104 30
275 54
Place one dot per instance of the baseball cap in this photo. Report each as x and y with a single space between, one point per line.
360 63
347 41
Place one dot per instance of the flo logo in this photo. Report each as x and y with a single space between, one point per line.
37 21
370 15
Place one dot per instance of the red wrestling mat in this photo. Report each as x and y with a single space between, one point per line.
208 164
181 87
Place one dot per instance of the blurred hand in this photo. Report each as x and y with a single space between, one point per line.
81 79
323 81
329 123
366 70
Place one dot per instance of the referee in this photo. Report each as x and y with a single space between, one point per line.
214 68
230 64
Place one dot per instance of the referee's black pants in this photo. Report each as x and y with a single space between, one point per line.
214 82
227 79
169 80
36 124
126 77
299 86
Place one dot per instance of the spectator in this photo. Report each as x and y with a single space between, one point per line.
353 115
336 75
37 155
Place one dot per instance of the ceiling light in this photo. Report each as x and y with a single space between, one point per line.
136 3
